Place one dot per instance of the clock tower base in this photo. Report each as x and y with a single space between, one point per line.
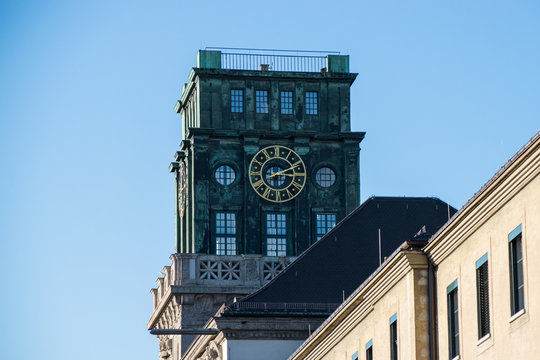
195 286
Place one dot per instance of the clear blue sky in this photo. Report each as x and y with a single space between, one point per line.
447 91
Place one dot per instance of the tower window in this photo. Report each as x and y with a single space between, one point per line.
324 222
237 101
276 234
225 233
311 103
393 338
261 101
225 175
482 296
453 320
286 102
517 285
325 177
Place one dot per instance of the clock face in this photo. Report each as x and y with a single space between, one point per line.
182 189
277 173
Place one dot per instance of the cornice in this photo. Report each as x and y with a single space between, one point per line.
513 177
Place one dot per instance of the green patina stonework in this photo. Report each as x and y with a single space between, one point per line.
212 136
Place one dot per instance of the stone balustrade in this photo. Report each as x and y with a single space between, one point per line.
200 270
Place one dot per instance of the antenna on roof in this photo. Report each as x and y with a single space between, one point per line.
380 253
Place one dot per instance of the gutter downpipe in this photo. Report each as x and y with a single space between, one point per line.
432 304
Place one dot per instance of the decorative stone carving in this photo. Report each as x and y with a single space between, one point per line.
165 347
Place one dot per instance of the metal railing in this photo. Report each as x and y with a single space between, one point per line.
234 61
273 60
291 307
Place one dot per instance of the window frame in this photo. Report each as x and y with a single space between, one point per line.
234 174
277 236
516 271
225 235
237 106
369 350
317 233
311 108
394 350
317 178
282 103
452 302
482 297
258 101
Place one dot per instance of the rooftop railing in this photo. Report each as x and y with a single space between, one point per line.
289 307
268 60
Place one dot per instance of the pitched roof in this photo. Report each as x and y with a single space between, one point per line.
332 268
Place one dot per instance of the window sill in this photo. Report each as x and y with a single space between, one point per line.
516 315
456 357
483 339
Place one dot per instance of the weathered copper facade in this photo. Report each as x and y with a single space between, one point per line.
213 135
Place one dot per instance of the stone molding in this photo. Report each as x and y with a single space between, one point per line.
512 178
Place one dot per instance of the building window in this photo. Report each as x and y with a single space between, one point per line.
225 233
354 356
225 175
482 296
369 350
261 101
237 101
311 103
325 177
286 102
517 295
276 234
393 338
453 321
324 222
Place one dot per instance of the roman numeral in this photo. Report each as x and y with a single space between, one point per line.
266 192
257 183
298 186
299 162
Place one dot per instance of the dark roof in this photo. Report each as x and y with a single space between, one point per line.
332 268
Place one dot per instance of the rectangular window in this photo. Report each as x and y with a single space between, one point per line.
261 101
225 233
517 295
276 234
393 338
369 350
311 103
354 356
453 320
286 102
237 101
324 222
482 296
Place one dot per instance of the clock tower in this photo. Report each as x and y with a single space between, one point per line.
267 165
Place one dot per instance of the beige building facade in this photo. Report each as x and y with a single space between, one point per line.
381 317
470 293
485 233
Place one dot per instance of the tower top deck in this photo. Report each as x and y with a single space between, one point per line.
272 60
